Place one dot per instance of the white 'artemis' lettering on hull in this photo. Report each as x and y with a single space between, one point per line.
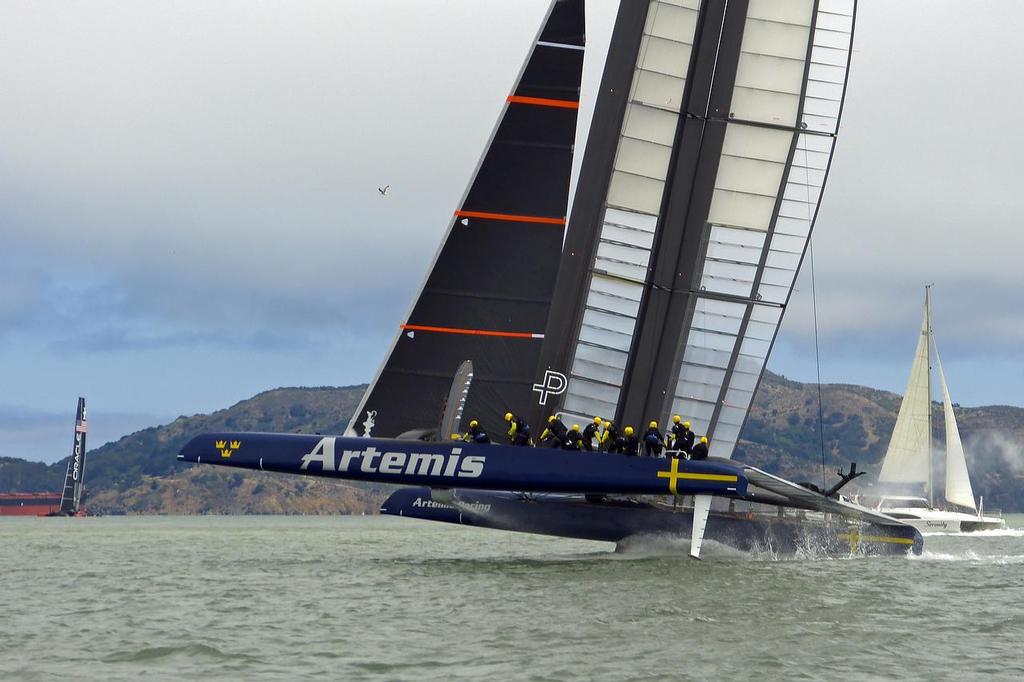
373 461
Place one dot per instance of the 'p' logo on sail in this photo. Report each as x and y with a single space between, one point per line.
554 384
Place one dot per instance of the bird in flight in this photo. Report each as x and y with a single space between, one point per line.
384 190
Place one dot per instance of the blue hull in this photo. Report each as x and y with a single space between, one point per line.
616 519
465 465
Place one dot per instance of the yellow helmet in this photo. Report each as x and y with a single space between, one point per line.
704 439
686 424
597 420
628 430
551 419
676 419
575 427
653 425
508 416
473 424
607 424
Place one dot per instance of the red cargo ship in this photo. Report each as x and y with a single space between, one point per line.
29 504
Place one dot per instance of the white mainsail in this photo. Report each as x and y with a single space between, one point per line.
907 459
958 481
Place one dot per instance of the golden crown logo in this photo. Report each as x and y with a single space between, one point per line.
227 449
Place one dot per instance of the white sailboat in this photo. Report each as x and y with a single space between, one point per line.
909 457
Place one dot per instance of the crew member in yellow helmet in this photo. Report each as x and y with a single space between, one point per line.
554 433
700 450
653 440
591 432
573 437
518 430
632 444
476 434
682 437
609 437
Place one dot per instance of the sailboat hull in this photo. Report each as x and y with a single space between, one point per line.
942 521
617 519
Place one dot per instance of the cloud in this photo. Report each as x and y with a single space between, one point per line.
190 182
39 435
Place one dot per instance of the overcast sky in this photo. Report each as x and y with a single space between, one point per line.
190 215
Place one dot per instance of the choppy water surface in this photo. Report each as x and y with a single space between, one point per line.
387 598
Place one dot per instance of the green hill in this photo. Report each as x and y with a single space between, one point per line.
140 474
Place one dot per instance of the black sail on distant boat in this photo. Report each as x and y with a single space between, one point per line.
71 496
487 294
712 135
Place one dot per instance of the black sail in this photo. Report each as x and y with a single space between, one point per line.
71 496
487 296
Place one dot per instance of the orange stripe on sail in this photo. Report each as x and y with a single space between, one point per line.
544 102
475 332
510 217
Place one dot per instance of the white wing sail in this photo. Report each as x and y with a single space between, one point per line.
712 194
958 481
784 117
906 460
632 209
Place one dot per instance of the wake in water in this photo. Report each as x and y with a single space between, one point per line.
970 556
994 533
648 546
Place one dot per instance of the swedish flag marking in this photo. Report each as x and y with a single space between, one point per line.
674 474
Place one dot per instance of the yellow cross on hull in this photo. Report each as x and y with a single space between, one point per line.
674 474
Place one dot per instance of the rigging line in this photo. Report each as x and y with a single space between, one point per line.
817 363
814 309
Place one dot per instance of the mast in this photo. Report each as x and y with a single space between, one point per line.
931 342
71 495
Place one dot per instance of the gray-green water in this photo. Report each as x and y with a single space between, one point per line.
386 598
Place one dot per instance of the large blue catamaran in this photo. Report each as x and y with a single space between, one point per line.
662 294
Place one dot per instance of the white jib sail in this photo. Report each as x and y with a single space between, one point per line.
958 481
906 460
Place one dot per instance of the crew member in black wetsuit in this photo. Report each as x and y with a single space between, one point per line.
700 450
590 433
682 436
688 438
554 435
631 444
653 440
518 430
609 437
476 434
573 438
